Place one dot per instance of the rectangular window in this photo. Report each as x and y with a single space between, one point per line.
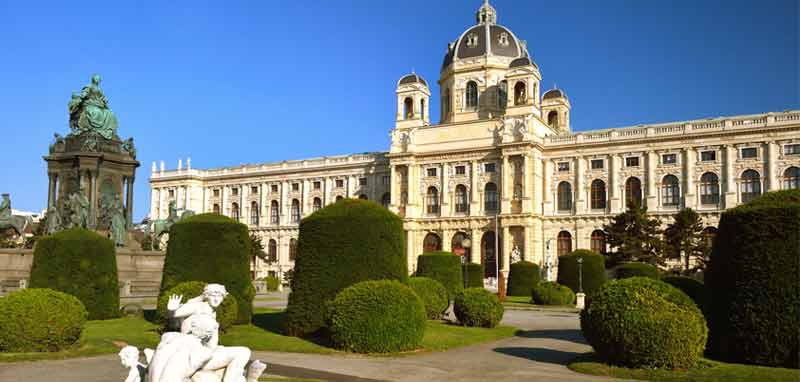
362 181
254 190
317 185
749 152
171 193
461 170
385 180
274 188
597 164
563 166
488 167
632 162
295 186
669 159
339 183
431 172
216 193
708 156
234 191
791 149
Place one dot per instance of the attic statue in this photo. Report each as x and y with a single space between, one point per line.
89 112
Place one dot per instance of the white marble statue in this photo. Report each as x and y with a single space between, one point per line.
129 356
516 255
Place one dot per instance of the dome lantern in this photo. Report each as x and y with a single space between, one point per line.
486 14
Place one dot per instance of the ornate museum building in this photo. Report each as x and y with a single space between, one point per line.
503 163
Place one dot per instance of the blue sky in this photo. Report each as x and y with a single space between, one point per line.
231 82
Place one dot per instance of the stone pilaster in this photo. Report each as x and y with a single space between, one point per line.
689 195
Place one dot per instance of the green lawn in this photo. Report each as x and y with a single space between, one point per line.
705 371
264 334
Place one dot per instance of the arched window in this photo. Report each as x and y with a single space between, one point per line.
422 107
750 185
472 95
564 243
709 234
386 199
502 94
552 119
317 204
462 199
363 197
235 214
598 242
432 200
339 198
408 108
633 191
488 258
272 250
446 102
292 249
598 191
274 212
295 211
216 208
564 196
431 243
791 178
670 191
517 194
457 247
490 197
254 212
520 98
709 188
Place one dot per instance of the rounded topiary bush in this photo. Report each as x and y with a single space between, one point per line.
754 282
474 275
214 249
443 267
637 270
593 270
478 307
641 322
81 263
226 312
692 287
340 245
272 282
377 317
37 320
552 293
522 277
432 294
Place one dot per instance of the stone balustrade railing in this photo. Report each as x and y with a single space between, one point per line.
672 129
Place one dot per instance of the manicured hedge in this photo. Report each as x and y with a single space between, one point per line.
272 282
641 322
214 249
551 293
226 312
478 307
443 267
340 245
637 270
754 283
474 275
692 287
432 294
38 320
81 263
522 277
377 317
593 269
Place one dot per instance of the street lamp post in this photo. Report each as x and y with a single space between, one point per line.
580 297
466 244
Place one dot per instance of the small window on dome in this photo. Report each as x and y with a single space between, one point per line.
472 40
503 40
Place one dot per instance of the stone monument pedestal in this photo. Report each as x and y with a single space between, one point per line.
580 300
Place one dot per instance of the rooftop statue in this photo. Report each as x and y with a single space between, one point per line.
89 112
9 220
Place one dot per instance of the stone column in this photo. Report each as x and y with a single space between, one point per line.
580 192
285 203
475 250
688 191
526 183
411 251
652 192
730 177
413 190
538 185
129 202
505 184
93 199
224 208
508 244
547 193
445 202
527 240
614 186
51 190
770 158
394 193
305 204
475 203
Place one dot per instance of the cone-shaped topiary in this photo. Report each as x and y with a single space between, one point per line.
81 263
214 249
474 275
443 267
754 282
377 317
478 307
522 277
551 293
637 270
641 322
35 320
432 294
340 245
227 312
593 270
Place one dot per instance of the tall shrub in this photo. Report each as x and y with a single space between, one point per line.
754 282
593 270
637 270
443 267
81 263
213 249
522 277
340 245
474 275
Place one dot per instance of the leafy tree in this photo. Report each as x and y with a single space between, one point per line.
684 238
633 236
256 250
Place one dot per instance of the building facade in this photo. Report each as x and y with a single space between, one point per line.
502 167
